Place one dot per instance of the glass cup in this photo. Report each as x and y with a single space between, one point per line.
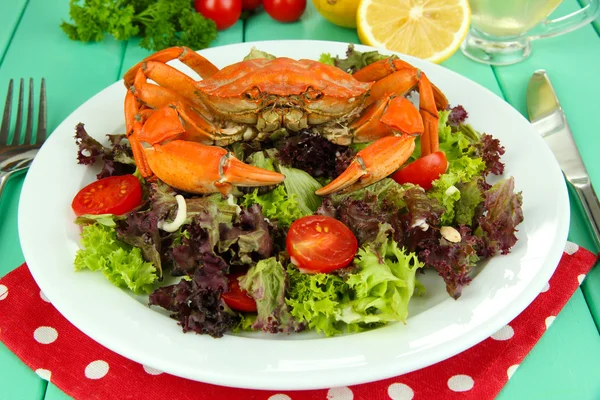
502 30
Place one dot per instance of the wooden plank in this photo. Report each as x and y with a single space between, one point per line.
9 18
571 61
74 72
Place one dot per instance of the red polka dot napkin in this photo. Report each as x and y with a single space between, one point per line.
57 351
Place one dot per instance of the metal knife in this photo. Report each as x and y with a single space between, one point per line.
549 120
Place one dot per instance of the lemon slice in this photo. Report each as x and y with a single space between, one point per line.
429 29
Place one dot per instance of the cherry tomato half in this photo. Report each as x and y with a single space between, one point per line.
285 10
320 244
113 195
237 298
250 5
225 13
423 171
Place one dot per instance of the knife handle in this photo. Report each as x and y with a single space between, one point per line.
591 206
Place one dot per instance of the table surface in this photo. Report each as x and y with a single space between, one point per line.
566 361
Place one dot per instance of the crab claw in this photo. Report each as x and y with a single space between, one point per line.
197 168
372 164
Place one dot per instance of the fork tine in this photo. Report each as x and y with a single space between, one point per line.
42 117
29 127
6 117
19 123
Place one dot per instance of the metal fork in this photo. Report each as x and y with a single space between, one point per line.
17 152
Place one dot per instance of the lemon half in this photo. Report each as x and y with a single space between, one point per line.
428 29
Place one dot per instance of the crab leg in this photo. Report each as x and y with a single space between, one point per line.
385 117
380 69
372 164
168 77
401 82
134 121
195 61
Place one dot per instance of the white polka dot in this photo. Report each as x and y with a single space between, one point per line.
43 373
280 396
545 288
511 370
96 369
3 292
152 371
580 278
571 248
340 393
549 321
460 383
400 391
43 296
45 334
504 333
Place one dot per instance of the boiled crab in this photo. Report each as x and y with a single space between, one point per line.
176 126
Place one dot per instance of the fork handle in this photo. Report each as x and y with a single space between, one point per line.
5 176
591 207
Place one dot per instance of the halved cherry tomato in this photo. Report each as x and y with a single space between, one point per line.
320 244
285 10
225 13
113 195
237 298
423 171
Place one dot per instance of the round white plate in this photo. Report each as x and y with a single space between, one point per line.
439 327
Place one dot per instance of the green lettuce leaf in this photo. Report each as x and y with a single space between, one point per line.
301 186
121 263
376 292
471 197
266 283
276 204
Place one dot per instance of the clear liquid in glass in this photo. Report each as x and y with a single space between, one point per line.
506 18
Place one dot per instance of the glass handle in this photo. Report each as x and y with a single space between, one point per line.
568 23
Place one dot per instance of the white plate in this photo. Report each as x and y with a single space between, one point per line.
439 327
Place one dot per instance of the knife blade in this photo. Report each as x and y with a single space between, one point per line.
549 120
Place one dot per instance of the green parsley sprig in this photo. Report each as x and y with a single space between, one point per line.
160 23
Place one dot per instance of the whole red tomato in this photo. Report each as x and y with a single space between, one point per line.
225 13
250 5
285 10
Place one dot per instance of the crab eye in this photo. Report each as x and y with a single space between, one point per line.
252 94
313 94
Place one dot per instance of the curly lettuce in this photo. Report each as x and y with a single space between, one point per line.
121 263
376 292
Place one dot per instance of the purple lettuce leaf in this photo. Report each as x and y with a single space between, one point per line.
197 304
452 261
502 213
457 116
314 154
116 159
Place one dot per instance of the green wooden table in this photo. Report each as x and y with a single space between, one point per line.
565 364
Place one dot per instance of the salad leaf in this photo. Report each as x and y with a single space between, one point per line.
256 53
326 58
197 304
444 188
314 154
276 204
502 214
301 186
452 261
382 286
490 150
471 196
355 59
457 116
103 219
316 299
266 283
246 240
377 291
116 160
121 263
